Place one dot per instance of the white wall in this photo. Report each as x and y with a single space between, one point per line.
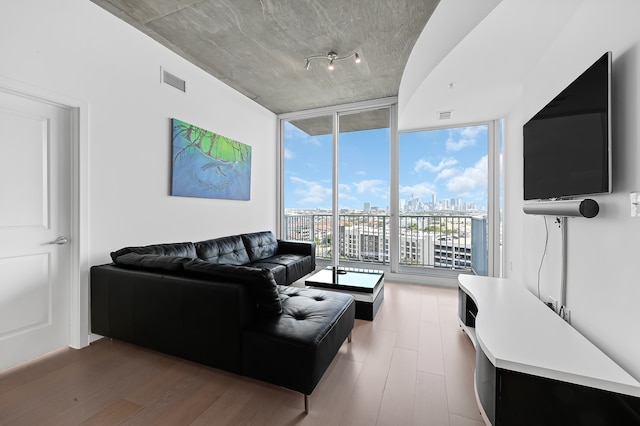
74 49
603 287
77 49
488 55
531 51
427 55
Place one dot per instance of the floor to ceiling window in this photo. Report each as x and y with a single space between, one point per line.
447 199
419 202
308 181
335 182
363 184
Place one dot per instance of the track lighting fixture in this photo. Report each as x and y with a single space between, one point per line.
332 57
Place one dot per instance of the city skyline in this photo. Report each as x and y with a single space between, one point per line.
440 164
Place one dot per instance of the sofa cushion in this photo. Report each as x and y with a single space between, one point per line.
186 249
279 271
261 283
154 262
227 250
297 265
260 245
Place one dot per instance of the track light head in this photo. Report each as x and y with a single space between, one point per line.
332 57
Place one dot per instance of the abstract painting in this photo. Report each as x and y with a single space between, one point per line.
208 165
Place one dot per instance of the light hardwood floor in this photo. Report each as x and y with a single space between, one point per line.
411 366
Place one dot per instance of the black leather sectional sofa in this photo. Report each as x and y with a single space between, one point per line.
225 303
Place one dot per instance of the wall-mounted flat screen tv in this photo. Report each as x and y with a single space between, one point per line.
567 144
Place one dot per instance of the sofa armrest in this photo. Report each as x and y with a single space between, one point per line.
307 248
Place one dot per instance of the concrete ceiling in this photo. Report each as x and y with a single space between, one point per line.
259 47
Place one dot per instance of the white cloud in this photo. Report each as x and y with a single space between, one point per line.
288 154
346 197
420 190
352 193
471 132
471 180
461 138
309 191
447 173
458 144
423 164
373 186
344 193
344 187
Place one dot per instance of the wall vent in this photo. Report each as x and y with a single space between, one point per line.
444 115
172 80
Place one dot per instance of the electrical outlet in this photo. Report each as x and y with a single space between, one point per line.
634 198
553 304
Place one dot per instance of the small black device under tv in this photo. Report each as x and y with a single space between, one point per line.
567 144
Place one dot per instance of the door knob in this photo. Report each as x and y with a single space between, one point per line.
60 241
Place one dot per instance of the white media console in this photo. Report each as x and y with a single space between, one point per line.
534 368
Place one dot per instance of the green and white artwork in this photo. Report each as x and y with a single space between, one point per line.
209 165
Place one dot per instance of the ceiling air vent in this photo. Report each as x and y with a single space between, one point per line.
173 80
444 115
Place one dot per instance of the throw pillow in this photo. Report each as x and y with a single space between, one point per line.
154 262
187 249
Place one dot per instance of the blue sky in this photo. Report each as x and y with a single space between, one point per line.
452 163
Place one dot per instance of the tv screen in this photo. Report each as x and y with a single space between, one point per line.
567 145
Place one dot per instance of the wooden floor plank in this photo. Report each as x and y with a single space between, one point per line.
331 400
114 384
363 333
181 404
402 314
431 358
399 394
429 308
67 386
369 389
36 369
431 406
455 420
112 414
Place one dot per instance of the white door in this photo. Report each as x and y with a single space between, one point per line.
34 223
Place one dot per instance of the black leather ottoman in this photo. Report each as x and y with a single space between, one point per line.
294 349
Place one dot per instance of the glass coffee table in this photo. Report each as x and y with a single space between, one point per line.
365 285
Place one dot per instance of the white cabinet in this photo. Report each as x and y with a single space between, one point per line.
534 368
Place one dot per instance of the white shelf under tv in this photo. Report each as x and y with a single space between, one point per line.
518 335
